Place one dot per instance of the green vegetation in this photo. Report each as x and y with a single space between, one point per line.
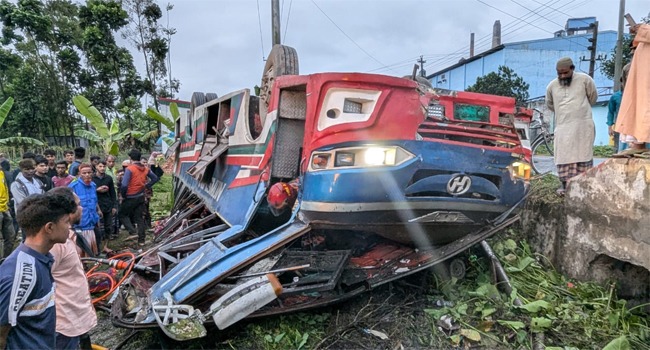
505 82
570 314
604 151
163 198
52 50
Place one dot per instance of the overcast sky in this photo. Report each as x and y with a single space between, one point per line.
218 47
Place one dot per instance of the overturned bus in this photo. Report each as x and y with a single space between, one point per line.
390 175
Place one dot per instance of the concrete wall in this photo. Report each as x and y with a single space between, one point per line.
601 230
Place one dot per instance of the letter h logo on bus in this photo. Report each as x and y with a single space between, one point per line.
459 184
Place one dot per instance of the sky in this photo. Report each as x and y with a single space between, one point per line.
220 45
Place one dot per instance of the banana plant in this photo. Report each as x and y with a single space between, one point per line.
15 140
170 124
104 135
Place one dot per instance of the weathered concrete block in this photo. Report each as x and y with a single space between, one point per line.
602 230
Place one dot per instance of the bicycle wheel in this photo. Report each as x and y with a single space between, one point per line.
542 154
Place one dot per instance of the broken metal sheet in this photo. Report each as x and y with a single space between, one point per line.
213 262
198 169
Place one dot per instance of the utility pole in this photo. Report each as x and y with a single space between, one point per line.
594 45
618 60
275 21
421 61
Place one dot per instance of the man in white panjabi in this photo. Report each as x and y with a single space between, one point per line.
571 96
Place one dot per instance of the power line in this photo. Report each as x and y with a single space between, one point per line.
286 25
259 20
347 36
484 39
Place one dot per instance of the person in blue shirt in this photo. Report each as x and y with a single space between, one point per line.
612 111
27 313
86 189
79 155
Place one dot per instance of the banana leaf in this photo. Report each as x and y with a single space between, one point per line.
20 141
91 113
115 127
153 114
4 109
90 135
173 108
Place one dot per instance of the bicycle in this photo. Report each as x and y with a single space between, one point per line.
542 145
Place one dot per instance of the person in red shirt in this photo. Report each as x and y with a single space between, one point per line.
132 188
62 179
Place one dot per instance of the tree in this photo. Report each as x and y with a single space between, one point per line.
15 140
505 82
107 137
152 40
607 68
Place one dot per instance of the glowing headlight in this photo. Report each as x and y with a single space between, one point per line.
520 170
375 156
380 156
359 157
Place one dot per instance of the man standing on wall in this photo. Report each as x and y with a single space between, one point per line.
571 96
132 189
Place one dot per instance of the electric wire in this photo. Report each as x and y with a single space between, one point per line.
486 39
444 59
286 25
518 22
259 20
536 26
346 35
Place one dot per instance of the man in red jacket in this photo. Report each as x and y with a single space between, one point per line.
132 188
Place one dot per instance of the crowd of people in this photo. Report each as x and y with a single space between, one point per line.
111 196
65 210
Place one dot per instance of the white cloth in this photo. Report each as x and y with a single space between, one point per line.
75 314
575 131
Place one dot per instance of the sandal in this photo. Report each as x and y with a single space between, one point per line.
629 153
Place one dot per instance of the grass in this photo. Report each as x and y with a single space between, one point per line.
163 198
570 314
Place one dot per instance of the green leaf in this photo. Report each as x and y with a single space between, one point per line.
487 312
278 337
620 343
114 149
510 245
91 113
115 127
20 141
90 135
512 324
155 115
5 108
535 306
471 334
122 135
305 337
173 109
540 324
